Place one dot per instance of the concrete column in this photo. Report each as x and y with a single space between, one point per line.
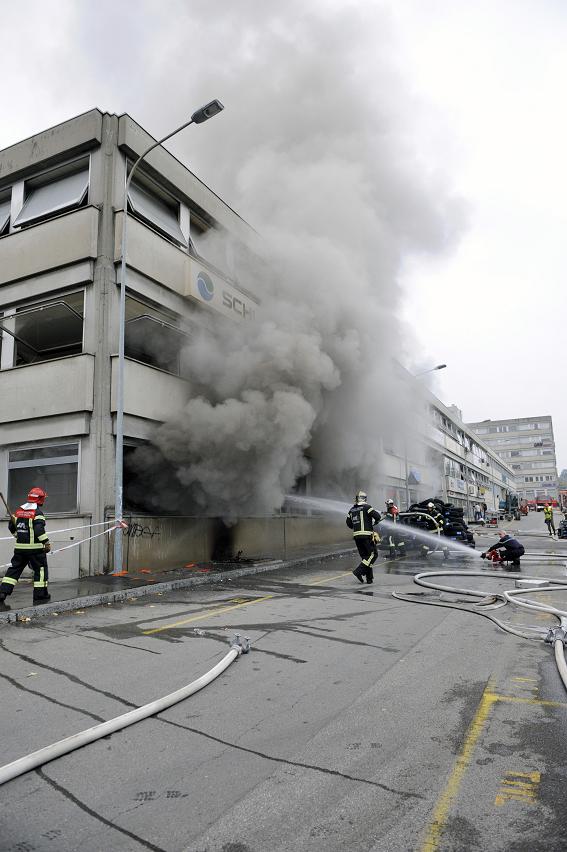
99 325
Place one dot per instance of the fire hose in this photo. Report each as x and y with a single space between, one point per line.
75 741
115 526
555 636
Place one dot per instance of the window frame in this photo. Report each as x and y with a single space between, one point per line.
39 305
50 176
151 187
51 461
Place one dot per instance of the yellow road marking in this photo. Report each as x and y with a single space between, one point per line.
514 790
327 579
449 794
209 614
516 699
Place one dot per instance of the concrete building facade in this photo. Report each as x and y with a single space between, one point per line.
450 461
61 211
528 446
61 214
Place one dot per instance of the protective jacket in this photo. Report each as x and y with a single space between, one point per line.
437 517
392 512
548 513
511 545
28 527
361 518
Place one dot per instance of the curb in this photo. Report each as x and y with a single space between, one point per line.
41 610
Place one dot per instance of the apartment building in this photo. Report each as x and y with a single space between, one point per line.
528 446
449 461
61 212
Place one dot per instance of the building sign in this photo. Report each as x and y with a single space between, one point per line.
456 485
211 289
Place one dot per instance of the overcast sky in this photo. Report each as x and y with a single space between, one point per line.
484 102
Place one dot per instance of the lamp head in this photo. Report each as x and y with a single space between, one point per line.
206 112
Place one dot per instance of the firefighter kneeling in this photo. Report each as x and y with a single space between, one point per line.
360 519
32 545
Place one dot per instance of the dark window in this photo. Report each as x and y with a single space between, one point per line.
151 336
54 468
47 330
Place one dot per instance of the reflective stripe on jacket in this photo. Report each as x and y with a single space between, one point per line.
28 527
361 518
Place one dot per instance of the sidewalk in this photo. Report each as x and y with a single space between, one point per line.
83 592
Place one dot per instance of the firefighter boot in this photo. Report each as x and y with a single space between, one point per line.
370 576
358 574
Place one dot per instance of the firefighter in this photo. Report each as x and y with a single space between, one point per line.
392 510
434 513
360 519
548 517
27 525
509 548
395 541
435 524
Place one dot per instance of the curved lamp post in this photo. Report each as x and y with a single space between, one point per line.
202 114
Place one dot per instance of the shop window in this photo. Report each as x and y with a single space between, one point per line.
53 468
157 210
52 194
46 330
152 336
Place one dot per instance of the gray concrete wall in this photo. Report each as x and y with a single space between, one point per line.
168 542
61 386
49 245
58 143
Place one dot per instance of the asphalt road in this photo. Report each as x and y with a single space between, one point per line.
357 722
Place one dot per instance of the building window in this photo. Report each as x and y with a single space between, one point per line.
153 336
46 330
156 209
4 216
54 468
53 193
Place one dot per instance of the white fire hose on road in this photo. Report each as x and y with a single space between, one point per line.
555 636
90 735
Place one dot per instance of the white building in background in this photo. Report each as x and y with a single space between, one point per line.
450 462
528 446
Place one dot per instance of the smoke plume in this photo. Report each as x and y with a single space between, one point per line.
319 153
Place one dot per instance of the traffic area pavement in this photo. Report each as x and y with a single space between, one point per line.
357 721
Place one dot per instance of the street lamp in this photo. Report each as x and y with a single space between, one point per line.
431 370
415 376
199 116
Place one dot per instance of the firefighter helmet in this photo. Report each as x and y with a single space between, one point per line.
361 497
389 502
431 505
37 495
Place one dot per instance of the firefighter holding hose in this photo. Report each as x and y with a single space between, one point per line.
27 525
361 519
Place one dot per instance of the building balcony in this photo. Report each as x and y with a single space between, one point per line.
47 389
149 393
55 243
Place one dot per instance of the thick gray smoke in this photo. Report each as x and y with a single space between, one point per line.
317 151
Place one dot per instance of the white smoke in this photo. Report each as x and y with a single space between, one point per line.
318 152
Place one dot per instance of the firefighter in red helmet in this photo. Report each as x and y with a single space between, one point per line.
27 525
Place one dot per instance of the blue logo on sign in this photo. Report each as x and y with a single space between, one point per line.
205 286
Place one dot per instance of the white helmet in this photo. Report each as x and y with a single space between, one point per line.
361 497
431 505
389 502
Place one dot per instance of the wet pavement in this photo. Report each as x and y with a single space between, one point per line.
105 588
109 588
